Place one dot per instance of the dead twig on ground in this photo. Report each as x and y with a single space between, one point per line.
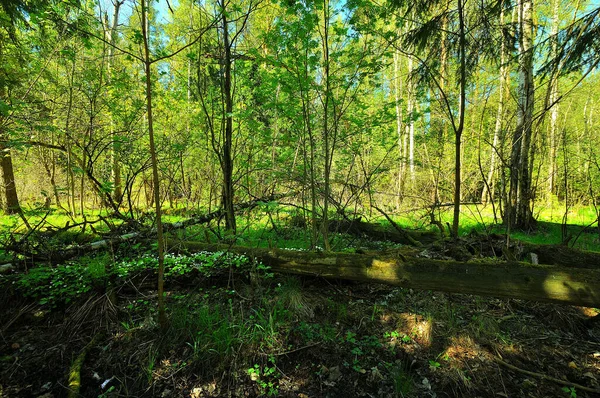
545 376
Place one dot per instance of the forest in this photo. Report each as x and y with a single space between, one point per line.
315 198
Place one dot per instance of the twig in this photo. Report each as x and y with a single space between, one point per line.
31 230
580 341
400 230
14 319
278 354
546 377
582 231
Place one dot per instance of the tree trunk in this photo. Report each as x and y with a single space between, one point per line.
461 117
309 154
488 191
159 228
68 144
554 112
379 232
326 133
49 163
443 129
116 159
227 161
399 133
520 215
410 128
11 200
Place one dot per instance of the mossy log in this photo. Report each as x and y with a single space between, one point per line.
381 232
546 283
75 370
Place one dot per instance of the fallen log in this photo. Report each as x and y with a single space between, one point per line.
75 370
380 232
546 283
564 256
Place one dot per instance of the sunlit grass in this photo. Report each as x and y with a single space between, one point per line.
53 217
581 229
273 226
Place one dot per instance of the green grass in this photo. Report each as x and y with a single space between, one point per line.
274 226
54 219
549 228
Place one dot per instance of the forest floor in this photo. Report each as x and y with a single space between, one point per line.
237 330
232 335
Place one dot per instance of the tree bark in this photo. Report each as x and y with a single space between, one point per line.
443 129
410 127
564 256
397 89
326 135
379 232
11 199
49 164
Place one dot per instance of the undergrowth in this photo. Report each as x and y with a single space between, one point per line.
60 285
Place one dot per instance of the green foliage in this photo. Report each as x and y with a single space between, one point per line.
402 380
434 364
265 378
206 263
312 332
211 334
571 391
360 349
96 266
55 286
150 364
395 335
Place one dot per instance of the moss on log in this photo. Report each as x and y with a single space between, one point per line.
75 370
546 283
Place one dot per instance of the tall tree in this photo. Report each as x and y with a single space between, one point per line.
328 136
227 155
521 195
489 188
419 39
219 106
11 14
112 33
147 61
